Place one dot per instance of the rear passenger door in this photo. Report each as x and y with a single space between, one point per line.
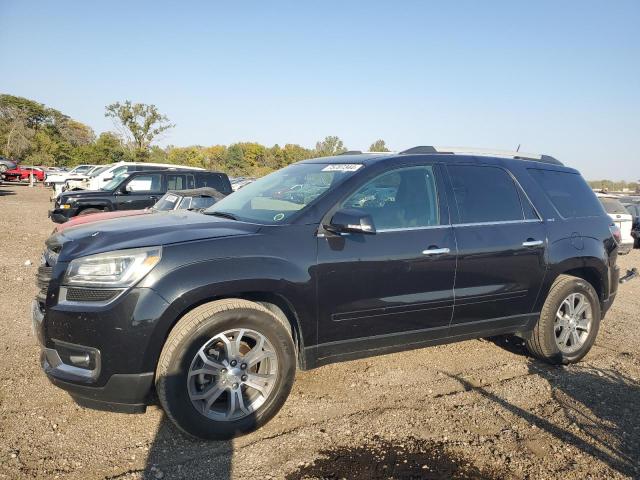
501 249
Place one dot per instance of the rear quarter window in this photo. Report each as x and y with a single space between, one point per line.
613 205
215 180
568 193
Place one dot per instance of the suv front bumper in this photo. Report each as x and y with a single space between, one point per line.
102 355
61 215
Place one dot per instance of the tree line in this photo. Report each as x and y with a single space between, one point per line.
39 135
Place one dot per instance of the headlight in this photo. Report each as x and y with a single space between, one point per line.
121 268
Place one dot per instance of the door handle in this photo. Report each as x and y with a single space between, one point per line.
436 251
532 243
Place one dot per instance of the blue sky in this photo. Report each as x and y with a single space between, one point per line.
561 78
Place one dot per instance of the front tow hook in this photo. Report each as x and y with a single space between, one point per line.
630 275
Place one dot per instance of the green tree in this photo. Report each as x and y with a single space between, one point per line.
330 146
140 123
378 146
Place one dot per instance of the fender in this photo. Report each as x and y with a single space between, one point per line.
287 277
565 256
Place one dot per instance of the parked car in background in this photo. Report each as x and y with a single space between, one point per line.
81 181
6 164
135 191
621 217
22 173
634 211
213 313
61 177
240 182
195 200
120 168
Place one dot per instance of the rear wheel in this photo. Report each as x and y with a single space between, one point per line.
226 368
569 322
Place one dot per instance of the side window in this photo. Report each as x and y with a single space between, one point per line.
176 182
404 198
212 180
568 192
146 183
484 194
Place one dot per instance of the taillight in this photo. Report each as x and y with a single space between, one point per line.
616 233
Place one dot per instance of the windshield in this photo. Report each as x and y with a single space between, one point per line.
96 172
81 169
167 202
113 184
278 196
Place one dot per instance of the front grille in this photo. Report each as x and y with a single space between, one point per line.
43 277
90 294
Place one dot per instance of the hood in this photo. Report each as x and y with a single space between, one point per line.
161 228
64 196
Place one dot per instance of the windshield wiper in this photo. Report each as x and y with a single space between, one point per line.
230 216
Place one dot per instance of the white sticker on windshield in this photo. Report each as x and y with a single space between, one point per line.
171 198
342 167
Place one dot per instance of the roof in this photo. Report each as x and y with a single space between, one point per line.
442 154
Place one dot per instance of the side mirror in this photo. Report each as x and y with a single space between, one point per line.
351 221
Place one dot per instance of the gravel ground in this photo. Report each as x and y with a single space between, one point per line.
475 409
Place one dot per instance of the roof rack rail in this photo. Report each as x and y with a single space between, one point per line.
483 151
360 152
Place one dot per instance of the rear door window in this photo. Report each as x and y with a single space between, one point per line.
568 193
485 194
176 182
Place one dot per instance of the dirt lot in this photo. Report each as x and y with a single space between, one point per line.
476 409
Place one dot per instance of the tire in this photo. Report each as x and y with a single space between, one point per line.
543 340
183 348
3 168
89 211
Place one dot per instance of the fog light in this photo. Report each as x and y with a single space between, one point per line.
82 360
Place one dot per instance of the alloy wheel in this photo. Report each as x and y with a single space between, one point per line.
573 323
232 375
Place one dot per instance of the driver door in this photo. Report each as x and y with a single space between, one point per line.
393 287
141 191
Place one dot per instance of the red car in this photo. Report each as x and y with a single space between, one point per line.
96 217
23 173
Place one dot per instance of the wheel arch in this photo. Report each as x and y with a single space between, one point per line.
276 303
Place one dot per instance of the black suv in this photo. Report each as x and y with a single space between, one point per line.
134 191
375 253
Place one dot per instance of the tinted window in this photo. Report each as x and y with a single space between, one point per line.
484 194
405 198
568 192
176 182
613 205
213 180
146 183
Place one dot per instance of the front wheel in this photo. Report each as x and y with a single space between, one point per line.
568 324
226 368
